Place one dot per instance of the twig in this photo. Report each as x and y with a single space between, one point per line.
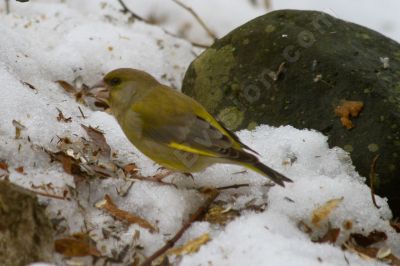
49 195
194 217
125 10
80 110
268 4
150 179
233 186
372 180
205 46
7 6
194 14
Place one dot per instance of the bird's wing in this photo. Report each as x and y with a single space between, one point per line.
183 124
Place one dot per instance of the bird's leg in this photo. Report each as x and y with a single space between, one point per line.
189 175
164 172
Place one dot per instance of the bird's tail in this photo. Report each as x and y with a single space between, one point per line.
269 172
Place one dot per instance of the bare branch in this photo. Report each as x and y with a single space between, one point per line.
125 10
233 186
372 180
7 6
194 14
213 193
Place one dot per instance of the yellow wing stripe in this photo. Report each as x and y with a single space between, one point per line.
183 147
205 115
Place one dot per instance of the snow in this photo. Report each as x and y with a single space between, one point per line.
221 16
45 41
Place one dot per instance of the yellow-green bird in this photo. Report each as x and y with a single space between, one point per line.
173 129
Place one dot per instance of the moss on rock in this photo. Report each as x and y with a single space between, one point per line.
292 67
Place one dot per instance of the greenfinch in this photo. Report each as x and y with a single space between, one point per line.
173 129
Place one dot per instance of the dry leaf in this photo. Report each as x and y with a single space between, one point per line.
303 227
217 214
66 86
4 166
20 169
80 90
81 158
101 105
70 165
330 236
383 252
348 109
62 118
108 205
75 247
347 224
322 212
131 169
190 247
372 238
18 128
369 252
98 137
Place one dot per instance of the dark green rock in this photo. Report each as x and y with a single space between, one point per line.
293 67
26 233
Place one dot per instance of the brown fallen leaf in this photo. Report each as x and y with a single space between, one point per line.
303 227
4 166
372 238
131 169
66 86
373 253
212 194
190 247
70 165
75 247
322 212
98 137
62 118
18 128
348 109
20 169
217 214
101 105
108 205
330 236
80 91
347 224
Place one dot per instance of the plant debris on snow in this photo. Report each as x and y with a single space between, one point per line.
103 198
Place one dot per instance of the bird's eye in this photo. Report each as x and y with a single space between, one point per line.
115 81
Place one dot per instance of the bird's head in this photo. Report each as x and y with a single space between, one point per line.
122 87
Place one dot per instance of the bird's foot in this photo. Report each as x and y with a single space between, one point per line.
189 175
163 174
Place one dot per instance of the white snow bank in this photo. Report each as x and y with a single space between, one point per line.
222 16
42 42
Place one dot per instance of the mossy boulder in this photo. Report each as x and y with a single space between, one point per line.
26 234
309 70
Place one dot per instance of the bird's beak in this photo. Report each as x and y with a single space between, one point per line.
99 84
101 92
